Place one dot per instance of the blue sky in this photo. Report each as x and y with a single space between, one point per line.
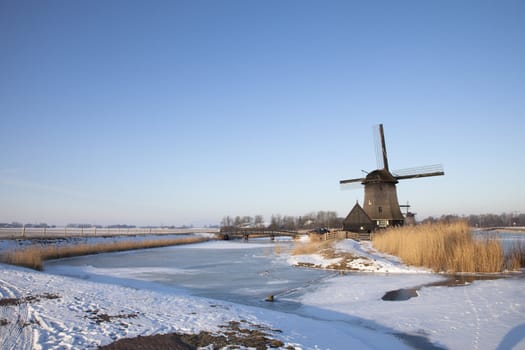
182 112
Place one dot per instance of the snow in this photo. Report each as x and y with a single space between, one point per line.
312 260
366 259
479 316
342 312
67 322
371 260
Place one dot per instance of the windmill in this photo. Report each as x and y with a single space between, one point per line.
381 207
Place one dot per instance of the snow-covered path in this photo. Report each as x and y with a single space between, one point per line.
14 334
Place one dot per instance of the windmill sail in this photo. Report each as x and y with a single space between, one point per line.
342 182
424 171
380 146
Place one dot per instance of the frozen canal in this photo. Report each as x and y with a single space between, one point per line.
235 271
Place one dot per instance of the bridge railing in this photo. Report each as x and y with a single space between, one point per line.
237 231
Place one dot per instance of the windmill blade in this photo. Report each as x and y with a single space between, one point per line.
350 186
377 145
349 181
380 147
424 171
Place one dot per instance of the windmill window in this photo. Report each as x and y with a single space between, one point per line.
380 209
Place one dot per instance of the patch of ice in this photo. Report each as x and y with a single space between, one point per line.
223 245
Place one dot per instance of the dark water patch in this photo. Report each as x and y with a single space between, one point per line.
462 280
417 342
451 281
400 294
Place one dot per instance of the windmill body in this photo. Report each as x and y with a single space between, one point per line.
381 203
381 207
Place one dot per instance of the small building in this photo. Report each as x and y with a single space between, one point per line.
358 220
410 219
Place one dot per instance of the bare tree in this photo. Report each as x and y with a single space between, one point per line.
226 221
258 221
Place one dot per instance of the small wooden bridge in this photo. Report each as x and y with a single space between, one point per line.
227 233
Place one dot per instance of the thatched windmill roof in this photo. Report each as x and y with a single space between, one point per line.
380 175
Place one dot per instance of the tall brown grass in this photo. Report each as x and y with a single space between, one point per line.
33 257
443 247
311 247
515 258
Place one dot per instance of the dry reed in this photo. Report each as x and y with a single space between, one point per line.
33 257
447 247
515 258
311 247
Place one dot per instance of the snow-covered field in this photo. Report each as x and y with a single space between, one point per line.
345 312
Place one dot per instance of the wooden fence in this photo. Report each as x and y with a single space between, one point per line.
58 232
337 235
363 236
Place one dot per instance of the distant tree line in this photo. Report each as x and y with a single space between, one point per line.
285 222
19 225
484 220
308 221
331 220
